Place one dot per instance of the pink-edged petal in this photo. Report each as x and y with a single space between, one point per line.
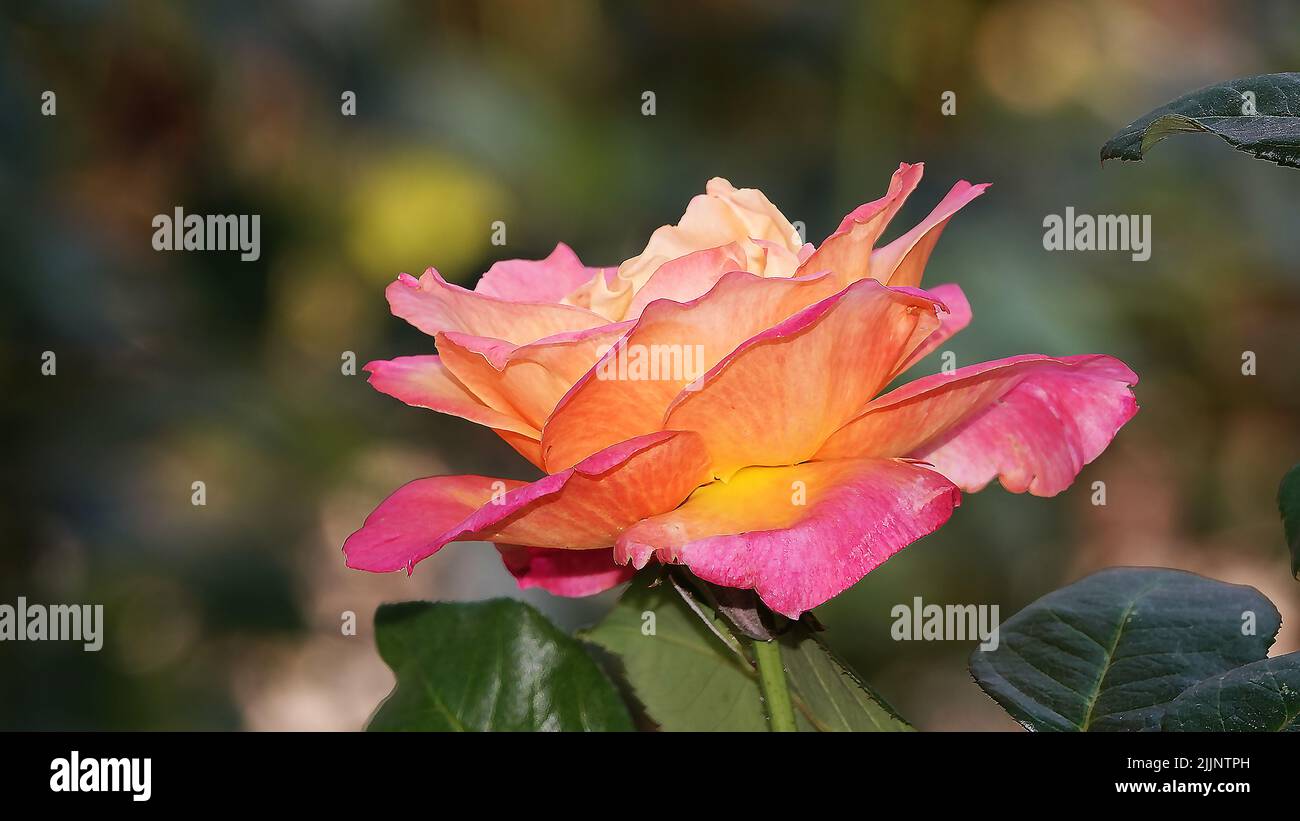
536 280
426 382
688 277
600 411
957 317
781 394
398 533
571 573
797 535
847 252
582 508
590 504
526 381
902 262
901 185
1030 421
432 304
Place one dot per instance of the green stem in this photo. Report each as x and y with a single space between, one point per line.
776 691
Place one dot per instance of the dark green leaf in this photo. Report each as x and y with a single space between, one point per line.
1267 126
1288 501
681 672
829 694
493 665
1259 697
1111 651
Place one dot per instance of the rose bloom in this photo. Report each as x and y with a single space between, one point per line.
716 401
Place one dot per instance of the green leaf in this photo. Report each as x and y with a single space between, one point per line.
493 665
1259 697
1267 126
1111 651
681 672
692 672
829 695
1288 501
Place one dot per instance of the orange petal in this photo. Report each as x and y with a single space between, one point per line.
902 262
847 252
590 504
526 381
525 446
780 395
600 411
425 382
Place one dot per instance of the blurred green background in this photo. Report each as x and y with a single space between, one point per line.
183 367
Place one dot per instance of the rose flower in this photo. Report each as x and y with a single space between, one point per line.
718 401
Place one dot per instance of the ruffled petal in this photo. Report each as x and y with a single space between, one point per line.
584 507
847 252
957 317
426 382
590 504
604 408
721 215
902 262
402 529
1031 421
901 185
432 304
797 535
781 394
525 381
536 280
688 277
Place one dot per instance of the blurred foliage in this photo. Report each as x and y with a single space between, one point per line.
177 367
